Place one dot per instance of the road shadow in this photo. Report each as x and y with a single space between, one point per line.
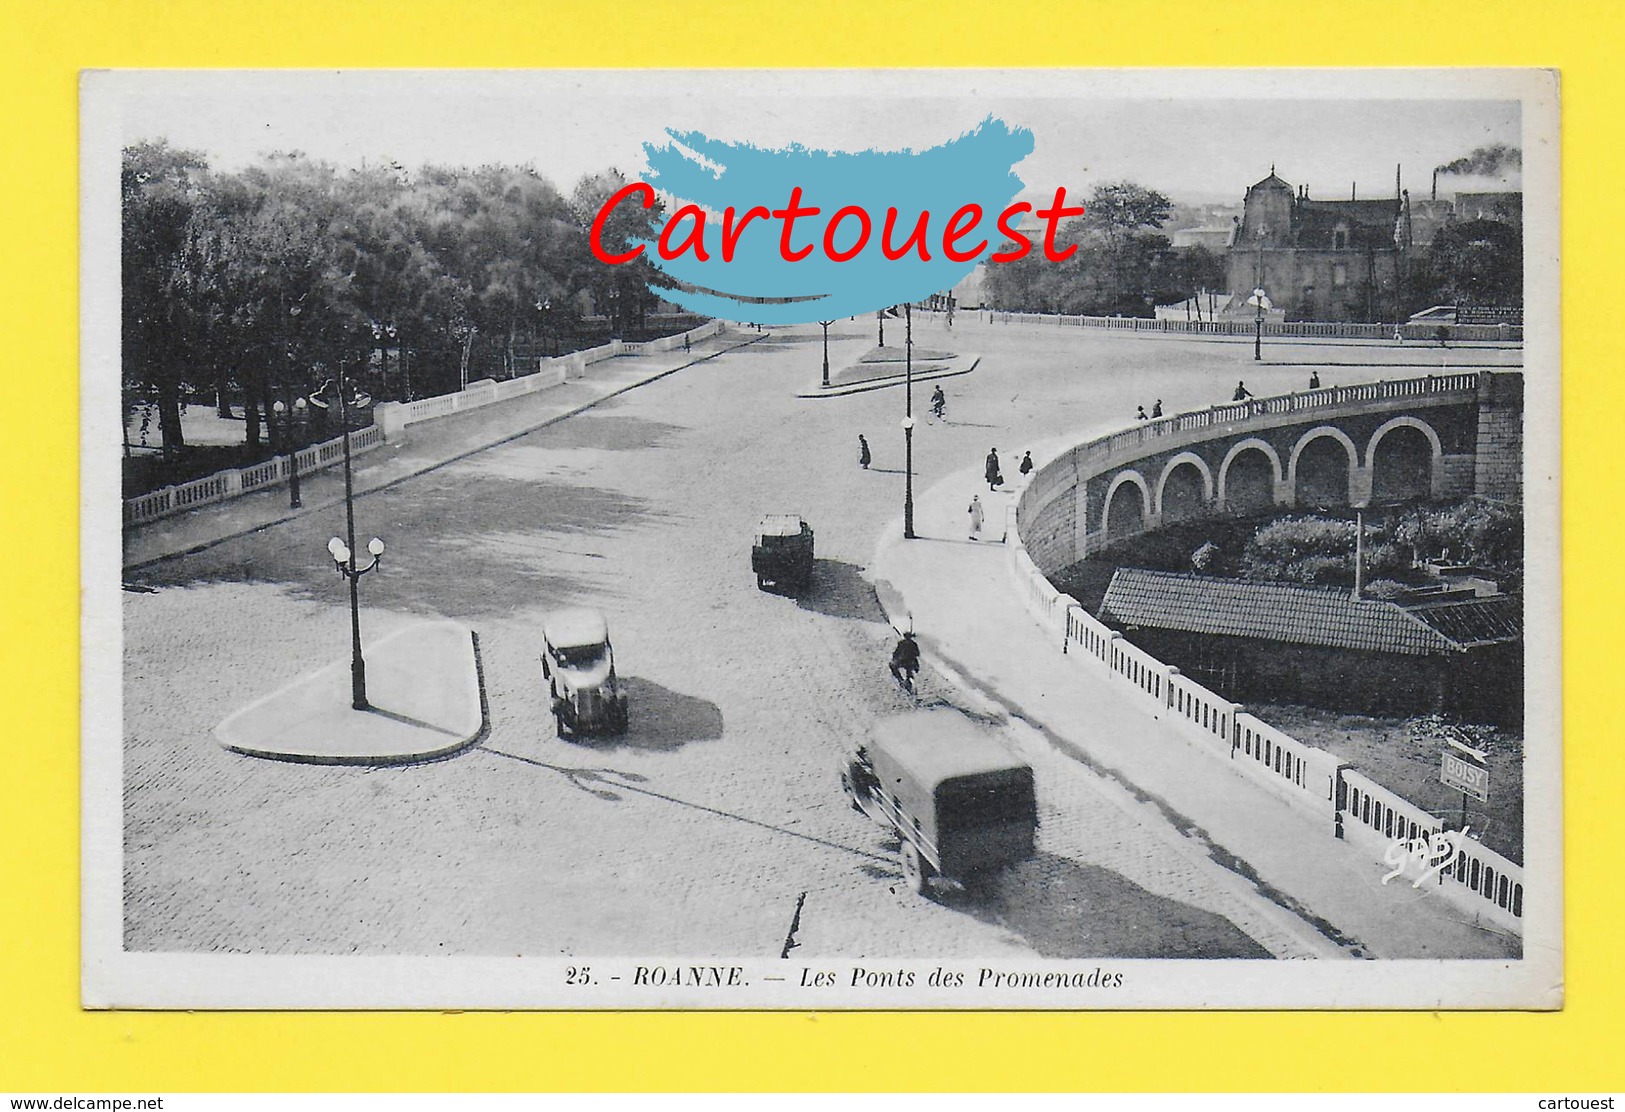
839 590
660 720
600 783
456 544
605 430
1067 909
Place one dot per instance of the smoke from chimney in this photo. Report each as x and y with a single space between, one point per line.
1491 161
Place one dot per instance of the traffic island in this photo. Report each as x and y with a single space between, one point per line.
423 684
882 367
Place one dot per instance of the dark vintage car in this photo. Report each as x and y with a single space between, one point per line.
783 553
962 805
578 663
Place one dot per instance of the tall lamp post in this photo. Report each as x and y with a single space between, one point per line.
343 553
881 317
825 325
1359 550
908 421
289 424
545 307
1260 301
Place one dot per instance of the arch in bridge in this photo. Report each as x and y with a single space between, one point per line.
1406 469
1245 488
1188 501
1329 471
1128 524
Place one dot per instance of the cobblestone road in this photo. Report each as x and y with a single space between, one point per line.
694 834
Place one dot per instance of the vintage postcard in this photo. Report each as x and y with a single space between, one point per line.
821 539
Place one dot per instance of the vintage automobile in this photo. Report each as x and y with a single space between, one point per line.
962 805
783 553
578 663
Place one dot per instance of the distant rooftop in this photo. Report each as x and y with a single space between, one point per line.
1326 616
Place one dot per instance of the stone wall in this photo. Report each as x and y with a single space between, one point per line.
1498 453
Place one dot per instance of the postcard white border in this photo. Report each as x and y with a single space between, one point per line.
113 977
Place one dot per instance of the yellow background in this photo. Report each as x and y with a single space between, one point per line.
47 1043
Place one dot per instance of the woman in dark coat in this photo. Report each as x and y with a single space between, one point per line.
994 475
864 458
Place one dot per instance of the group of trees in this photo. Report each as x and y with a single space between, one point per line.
257 284
1319 549
1122 265
1478 531
1474 262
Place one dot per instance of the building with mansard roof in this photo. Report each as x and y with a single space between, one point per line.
1340 260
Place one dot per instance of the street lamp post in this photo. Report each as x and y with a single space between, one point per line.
1261 301
1258 299
1359 550
881 317
343 553
825 325
908 421
289 423
549 339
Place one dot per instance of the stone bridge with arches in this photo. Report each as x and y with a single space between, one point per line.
1438 437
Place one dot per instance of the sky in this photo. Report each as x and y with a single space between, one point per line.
1200 136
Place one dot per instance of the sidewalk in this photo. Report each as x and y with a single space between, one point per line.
419 448
965 606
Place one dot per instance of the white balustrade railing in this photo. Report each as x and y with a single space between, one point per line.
1368 815
390 418
236 481
1347 330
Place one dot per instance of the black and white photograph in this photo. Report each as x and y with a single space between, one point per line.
1081 540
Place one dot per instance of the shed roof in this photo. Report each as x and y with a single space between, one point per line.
1269 611
1495 620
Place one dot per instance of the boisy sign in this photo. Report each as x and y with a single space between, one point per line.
586 739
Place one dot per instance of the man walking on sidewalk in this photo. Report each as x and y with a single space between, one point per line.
976 517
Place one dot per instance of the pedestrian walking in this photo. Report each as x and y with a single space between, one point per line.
994 476
1139 413
864 458
1442 334
1399 334
1026 467
1242 393
977 516
1314 380
1156 410
685 343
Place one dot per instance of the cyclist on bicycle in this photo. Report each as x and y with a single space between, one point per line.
905 661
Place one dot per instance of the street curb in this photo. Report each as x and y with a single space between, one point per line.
387 484
467 728
1284 911
884 383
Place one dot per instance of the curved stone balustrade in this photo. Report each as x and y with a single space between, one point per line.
1464 433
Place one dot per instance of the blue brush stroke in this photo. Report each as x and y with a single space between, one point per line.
975 168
